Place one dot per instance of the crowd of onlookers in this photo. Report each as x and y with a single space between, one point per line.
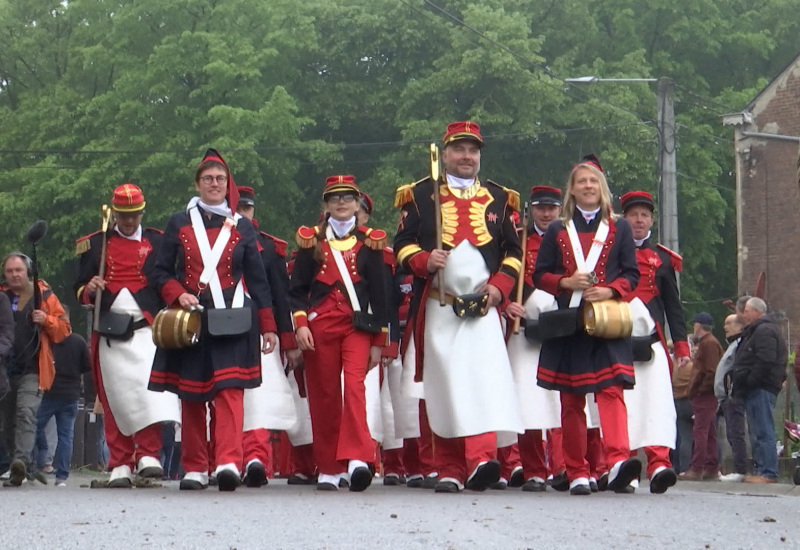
739 385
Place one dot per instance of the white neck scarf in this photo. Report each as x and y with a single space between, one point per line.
219 209
137 235
341 229
588 215
640 242
538 231
460 183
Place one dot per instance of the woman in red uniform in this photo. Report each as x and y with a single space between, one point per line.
589 256
338 336
221 366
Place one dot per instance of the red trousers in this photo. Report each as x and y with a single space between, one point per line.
613 421
424 461
126 450
458 457
531 453
595 453
257 444
555 451
509 458
656 458
338 421
301 461
226 433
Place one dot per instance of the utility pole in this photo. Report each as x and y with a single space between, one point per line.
667 167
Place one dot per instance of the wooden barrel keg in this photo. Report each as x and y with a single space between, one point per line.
175 328
608 319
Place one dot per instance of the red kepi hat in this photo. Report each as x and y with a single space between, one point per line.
247 196
462 130
128 198
340 184
543 194
231 192
641 198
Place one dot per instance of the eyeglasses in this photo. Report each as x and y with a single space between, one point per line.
210 179
336 198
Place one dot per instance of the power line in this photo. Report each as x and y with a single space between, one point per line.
688 177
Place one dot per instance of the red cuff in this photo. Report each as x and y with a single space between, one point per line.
681 349
83 297
381 339
287 340
391 350
171 290
549 283
504 283
622 286
419 264
266 321
300 319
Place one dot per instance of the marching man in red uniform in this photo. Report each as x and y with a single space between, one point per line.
540 407
467 402
338 295
121 362
651 409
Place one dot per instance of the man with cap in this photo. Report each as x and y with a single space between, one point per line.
656 300
540 407
455 329
338 295
121 362
705 458
270 406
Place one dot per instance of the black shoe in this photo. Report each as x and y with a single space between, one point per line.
325 486
343 483
228 480
430 482
415 483
627 490
560 482
392 480
300 479
628 471
534 486
662 481
796 475
19 472
191 485
593 486
499 485
517 478
446 487
580 490
360 479
484 475
602 482
255 475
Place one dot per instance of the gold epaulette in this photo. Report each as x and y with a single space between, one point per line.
306 237
405 194
512 197
84 244
376 238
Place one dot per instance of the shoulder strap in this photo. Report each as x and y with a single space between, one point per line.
211 257
586 263
348 282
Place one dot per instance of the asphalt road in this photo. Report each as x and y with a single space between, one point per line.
691 515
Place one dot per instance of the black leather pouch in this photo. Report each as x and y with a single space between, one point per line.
642 348
229 321
366 322
471 305
532 332
559 323
116 326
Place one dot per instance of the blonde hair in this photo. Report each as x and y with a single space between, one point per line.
606 209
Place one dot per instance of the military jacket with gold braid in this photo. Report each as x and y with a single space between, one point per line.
316 277
480 214
128 263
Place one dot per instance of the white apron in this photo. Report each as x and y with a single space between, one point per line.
651 409
541 408
469 388
125 368
270 406
300 432
372 389
408 386
405 410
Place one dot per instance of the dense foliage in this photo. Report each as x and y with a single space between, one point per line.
94 93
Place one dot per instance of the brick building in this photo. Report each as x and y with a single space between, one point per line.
768 195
